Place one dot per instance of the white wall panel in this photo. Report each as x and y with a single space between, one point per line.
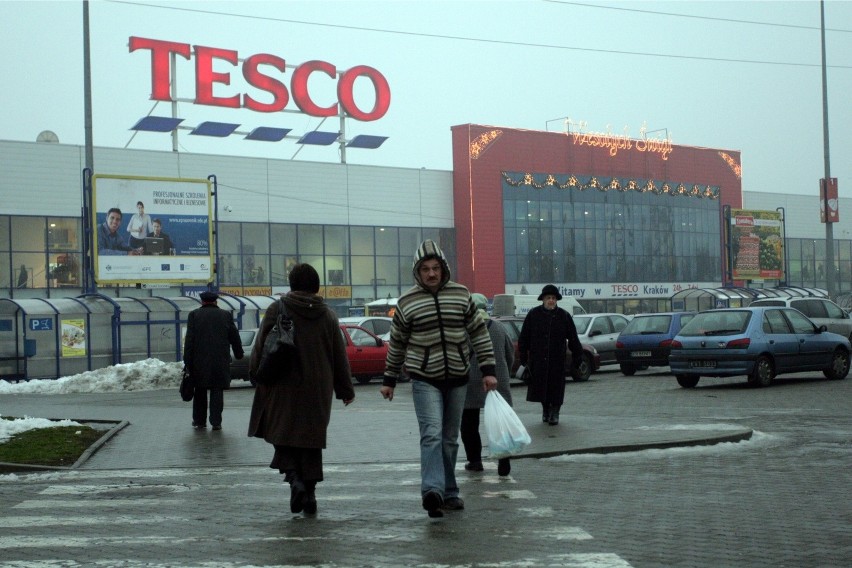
802 213
40 178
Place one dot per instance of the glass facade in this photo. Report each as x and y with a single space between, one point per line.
550 235
576 230
376 262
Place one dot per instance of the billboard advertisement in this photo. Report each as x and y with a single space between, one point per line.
757 245
152 230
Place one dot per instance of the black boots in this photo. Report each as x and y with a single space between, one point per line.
302 494
553 419
297 492
550 414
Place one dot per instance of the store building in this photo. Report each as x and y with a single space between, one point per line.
621 224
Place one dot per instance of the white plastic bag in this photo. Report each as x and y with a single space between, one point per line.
505 431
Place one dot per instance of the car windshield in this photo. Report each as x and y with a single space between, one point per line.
757 303
642 325
717 323
582 323
246 337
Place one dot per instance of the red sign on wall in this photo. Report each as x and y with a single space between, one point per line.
828 198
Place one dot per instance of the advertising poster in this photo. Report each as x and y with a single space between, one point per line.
152 230
757 245
74 338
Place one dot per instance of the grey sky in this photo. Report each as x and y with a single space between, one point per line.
733 75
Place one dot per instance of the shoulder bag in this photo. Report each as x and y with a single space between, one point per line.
187 385
280 344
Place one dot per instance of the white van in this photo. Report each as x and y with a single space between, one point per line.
520 304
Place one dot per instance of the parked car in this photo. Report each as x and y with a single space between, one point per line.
601 331
759 342
366 353
378 325
591 359
240 367
646 341
819 310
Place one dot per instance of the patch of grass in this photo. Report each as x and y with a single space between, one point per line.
60 446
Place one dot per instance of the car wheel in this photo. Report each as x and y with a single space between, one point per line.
763 372
839 365
687 381
628 369
363 380
582 373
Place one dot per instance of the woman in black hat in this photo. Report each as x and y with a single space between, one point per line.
547 332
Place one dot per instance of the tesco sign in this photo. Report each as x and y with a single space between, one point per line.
256 71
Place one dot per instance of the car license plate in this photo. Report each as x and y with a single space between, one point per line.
640 353
703 364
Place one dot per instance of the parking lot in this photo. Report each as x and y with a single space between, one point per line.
776 499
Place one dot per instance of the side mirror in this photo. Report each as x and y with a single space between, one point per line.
822 328
595 332
379 342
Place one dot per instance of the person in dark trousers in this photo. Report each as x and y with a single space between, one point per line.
542 349
433 326
504 357
293 411
210 332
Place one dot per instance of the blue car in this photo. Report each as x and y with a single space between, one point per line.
647 339
757 342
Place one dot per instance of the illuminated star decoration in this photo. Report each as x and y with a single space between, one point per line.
480 144
735 167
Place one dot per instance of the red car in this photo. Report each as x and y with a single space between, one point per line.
366 352
591 358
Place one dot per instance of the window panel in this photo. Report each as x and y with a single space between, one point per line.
361 240
5 240
387 241
336 240
310 241
28 234
283 238
257 235
228 237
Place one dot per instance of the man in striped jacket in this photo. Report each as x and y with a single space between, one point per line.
429 335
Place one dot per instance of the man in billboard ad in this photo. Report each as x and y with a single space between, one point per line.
176 250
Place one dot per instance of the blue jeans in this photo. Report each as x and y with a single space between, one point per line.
439 415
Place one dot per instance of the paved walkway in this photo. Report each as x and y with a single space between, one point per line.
152 429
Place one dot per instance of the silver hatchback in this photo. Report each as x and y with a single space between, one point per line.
819 310
601 331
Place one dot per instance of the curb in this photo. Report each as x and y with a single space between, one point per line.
8 467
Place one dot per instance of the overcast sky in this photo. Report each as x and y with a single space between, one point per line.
725 74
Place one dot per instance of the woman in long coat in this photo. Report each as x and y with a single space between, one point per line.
293 411
504 358
542 348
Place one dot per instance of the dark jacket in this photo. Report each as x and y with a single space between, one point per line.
210 331
542 348
430 330
504 358
295 410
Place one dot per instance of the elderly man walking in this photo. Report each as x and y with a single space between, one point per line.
210 331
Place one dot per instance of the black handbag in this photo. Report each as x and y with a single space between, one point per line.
187 385
280 344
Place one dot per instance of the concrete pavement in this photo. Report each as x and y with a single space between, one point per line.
152 429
